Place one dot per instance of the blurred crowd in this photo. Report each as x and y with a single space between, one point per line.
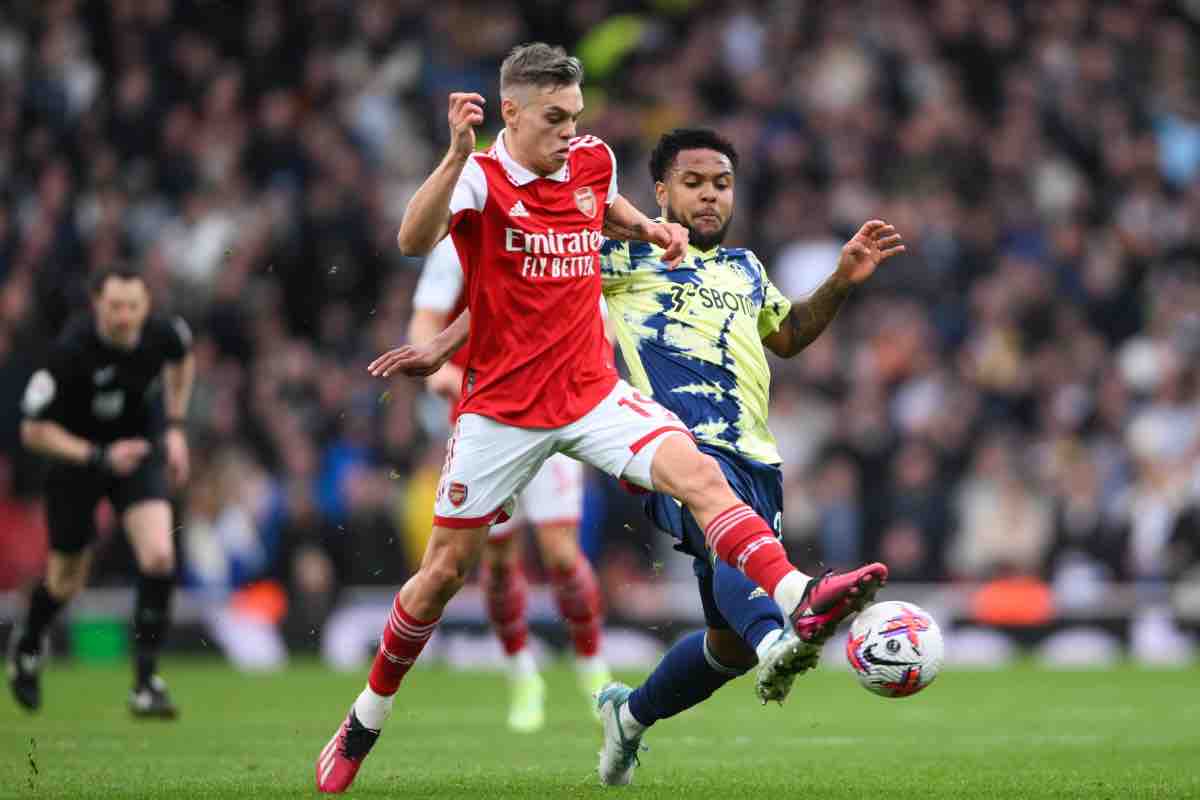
1015 396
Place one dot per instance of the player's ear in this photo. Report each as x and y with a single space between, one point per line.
660 194
510 109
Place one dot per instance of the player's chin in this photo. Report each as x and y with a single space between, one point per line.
707 224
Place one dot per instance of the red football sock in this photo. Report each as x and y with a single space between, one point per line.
743 539
403 639
578 599
507 594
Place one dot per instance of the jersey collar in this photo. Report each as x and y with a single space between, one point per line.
521 175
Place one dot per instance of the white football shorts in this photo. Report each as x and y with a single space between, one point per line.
489 463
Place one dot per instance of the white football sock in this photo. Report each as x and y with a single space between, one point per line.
790 590
629 723
590 665
768 640
373 709
521 664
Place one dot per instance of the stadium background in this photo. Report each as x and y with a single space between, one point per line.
1007 414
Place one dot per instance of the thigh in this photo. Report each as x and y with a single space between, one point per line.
555 495
487 465
148 525
71 498
621 434
147 482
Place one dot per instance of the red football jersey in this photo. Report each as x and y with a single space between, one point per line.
529 248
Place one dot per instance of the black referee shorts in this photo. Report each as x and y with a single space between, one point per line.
72 494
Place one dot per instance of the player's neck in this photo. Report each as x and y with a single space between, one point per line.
514 152
110 342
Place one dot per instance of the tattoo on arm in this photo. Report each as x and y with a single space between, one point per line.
809 318
612 229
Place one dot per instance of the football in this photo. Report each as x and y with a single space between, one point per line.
895 649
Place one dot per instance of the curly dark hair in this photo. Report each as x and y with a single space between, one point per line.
687 139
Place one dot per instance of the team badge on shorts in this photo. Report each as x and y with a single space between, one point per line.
585 201
457 493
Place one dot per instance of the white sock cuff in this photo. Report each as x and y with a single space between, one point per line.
373 709
790 590
765 644
589 665
631 725
522 664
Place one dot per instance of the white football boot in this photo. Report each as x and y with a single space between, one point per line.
788 657
620 753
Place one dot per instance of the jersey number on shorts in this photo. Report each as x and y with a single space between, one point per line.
636 404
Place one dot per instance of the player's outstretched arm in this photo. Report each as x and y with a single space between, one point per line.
624 222
425 325
875 242
419 360
428 215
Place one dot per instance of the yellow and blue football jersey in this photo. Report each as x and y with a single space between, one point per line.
692 338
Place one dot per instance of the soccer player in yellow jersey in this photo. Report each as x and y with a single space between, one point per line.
693 338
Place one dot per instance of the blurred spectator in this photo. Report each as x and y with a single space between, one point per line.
1016 395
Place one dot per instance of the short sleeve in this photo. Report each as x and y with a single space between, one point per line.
40 394
470 193
612 182
45 394
616 267
441 281
775 305
178 339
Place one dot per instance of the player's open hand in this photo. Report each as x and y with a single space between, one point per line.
673 239
124 455
466 111
412 360
875 242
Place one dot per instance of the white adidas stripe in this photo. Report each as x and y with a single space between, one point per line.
425 626
406 631
729 518
395 659
328 769
755 545
326 761
722 525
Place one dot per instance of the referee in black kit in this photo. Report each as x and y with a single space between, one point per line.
95 411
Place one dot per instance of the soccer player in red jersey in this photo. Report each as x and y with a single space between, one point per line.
526 218
551 504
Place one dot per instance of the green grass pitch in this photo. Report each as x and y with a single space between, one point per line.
1012 734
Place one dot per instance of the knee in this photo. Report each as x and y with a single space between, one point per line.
500 557
158 561
560 548
446 572
729 649
703 480
64 584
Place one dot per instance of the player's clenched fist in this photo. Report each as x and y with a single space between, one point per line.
466 111
124 455
673 239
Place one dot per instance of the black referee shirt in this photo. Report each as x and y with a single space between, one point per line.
103 393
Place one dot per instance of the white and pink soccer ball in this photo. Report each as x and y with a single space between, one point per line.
895 649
